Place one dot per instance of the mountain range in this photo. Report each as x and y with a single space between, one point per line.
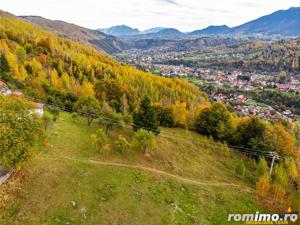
123 30
115 39
281 23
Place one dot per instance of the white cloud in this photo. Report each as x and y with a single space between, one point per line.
185 15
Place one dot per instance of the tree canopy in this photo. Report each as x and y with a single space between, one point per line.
20 131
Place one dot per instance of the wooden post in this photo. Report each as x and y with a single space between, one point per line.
272 165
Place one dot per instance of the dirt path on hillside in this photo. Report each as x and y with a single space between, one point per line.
155 171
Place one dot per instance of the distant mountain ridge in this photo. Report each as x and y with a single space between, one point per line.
123 30
97 39
282 22
120 30
169 31
153 30
211 30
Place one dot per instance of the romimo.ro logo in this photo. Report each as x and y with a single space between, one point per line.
260 218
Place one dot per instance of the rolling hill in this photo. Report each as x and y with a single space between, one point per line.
72 182
211 30
177 44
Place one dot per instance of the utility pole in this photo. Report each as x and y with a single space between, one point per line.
274 156
272 164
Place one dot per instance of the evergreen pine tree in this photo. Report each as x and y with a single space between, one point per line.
4 68
146 117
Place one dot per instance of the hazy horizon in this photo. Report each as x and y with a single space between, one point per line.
185 15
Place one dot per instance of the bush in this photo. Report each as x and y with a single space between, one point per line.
47 119
144 141
74 116
127 119
122 144
54 112
296 200
240 168
100 139
278 192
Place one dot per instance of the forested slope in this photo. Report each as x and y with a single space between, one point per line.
52 68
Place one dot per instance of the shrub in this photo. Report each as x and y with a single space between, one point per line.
47 119
240 168
223 150
144 141
278 192
122 144
54 112
106 149
100 139
127 119
296 200
74 116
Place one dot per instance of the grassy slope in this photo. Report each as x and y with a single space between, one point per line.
56 190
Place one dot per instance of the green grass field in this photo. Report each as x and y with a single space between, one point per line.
68 182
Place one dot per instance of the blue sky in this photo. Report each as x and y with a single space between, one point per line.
186 15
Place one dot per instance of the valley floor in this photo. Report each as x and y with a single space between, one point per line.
70 182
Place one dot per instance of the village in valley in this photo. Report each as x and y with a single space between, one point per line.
233 87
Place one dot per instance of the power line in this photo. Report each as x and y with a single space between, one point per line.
247 151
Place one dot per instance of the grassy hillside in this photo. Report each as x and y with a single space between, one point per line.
70 182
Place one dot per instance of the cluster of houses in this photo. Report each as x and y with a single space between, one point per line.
4 90
253 81
247 106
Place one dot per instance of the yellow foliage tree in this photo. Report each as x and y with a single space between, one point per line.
87 89
55 80
180 114
282 141
263 185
